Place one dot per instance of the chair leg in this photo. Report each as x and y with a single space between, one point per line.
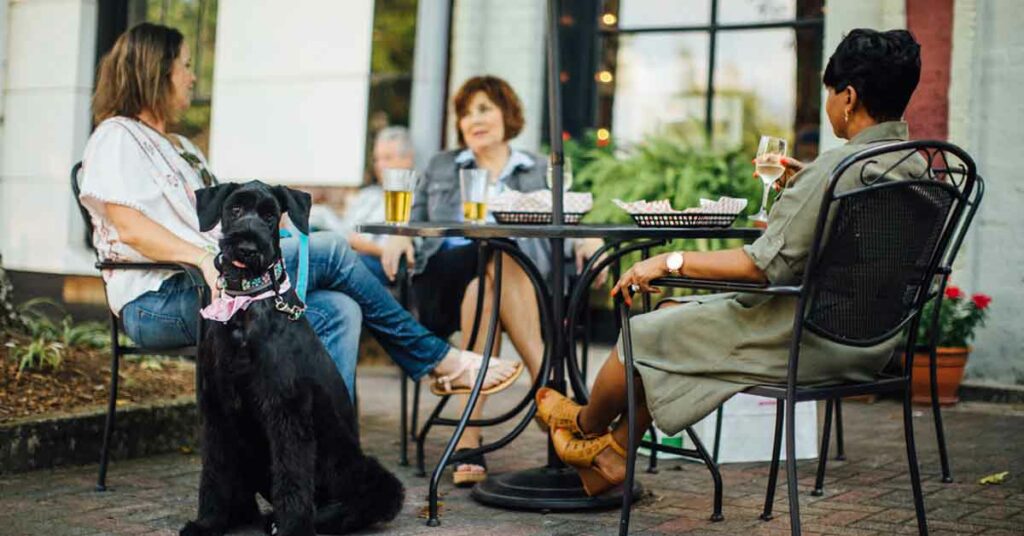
415 421
840 444
403 426
627 491
773 471
716 475
940 432
652 461
421 439
915 474
108 428
823 453
719 417
791 481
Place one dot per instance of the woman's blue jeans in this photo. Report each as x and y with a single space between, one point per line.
342 294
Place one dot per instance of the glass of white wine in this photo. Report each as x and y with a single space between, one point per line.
398 187
770 153
566 175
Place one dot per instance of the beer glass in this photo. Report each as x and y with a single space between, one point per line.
474 194
398 186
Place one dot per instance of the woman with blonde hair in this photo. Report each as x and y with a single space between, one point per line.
138 184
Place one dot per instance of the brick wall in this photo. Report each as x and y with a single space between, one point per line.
931 22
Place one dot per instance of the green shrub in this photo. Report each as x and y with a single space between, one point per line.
44 343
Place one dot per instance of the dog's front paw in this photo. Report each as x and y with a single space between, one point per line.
195 529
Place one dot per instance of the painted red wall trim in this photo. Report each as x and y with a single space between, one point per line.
931 22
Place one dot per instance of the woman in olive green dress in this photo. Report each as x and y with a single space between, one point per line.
692 357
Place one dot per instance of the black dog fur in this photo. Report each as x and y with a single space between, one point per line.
277 417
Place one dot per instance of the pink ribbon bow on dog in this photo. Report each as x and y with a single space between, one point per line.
225 307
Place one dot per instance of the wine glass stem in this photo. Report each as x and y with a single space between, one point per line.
764 198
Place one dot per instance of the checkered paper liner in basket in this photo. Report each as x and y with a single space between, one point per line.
535 207
721 213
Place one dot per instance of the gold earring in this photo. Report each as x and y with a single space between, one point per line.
846 116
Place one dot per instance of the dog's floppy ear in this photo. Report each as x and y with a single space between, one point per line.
210 204
296 203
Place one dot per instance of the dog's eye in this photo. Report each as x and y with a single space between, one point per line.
236 211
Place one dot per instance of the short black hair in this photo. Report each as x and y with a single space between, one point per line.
884 68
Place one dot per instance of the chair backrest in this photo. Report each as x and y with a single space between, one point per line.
887 222
76 189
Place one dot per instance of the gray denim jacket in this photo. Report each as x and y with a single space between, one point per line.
439 199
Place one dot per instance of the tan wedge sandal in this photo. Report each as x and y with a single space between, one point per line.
555 410
580 453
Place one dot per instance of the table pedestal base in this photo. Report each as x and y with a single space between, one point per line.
544 488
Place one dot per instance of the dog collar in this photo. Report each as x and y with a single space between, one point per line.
237 286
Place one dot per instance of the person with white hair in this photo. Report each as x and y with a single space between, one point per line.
392 149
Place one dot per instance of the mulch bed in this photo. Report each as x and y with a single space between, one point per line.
83 381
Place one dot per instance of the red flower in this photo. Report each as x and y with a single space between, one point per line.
953 293
981 301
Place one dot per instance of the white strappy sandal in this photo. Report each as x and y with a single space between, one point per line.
442 385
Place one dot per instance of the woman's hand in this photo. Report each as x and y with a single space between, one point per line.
792 165
393 250
641 275
584 250
211 275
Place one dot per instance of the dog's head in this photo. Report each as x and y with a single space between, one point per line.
250 215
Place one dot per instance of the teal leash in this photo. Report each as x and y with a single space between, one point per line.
302 279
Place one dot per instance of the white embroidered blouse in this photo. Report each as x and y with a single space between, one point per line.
128 163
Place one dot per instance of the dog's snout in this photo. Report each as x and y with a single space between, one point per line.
247 248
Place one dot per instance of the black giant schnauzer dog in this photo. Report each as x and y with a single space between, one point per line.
277 418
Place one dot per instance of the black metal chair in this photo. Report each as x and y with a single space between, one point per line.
929 347
116 348
886 246
411 430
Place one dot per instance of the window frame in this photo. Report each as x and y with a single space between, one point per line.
712 29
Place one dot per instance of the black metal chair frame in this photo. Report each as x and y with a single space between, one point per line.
610 256
116 348
409 422
486 248
930 348
958 183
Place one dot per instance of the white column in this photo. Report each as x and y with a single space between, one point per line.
840 18
430 69
291 80
986 119
46 93
504 39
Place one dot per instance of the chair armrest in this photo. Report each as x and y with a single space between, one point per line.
194 273
727 286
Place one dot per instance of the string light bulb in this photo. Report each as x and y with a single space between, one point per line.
605 77
603 134
609 19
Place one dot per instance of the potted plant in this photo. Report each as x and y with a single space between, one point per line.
959 316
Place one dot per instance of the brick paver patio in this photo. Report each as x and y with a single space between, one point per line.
865 495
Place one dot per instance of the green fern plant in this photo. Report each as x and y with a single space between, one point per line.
43 343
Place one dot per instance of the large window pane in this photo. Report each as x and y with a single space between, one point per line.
755 79
646 13
752 11
660 85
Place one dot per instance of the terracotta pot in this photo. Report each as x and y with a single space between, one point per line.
950 364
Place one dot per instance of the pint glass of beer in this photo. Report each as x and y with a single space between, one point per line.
398 186
474 194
